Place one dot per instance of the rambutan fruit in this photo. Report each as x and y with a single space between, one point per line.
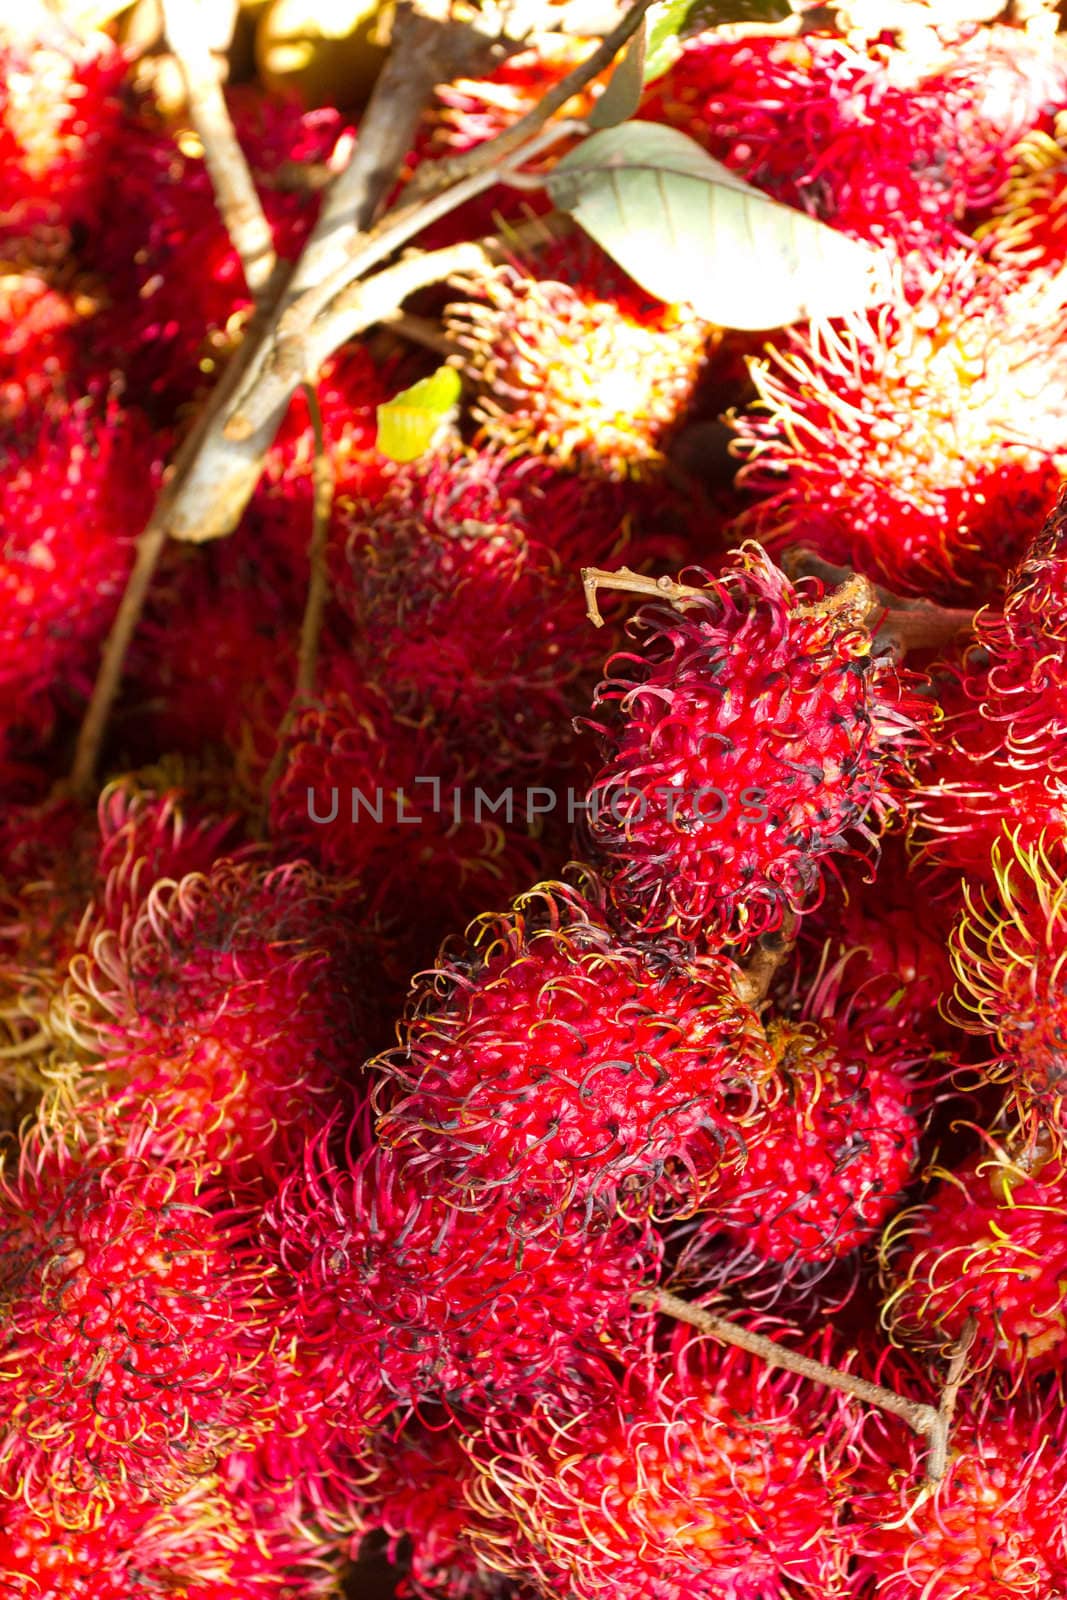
133 1337
75 491
391 808
1008 951
225 1003
833 1154
461 586
67 872
415 1300
416 1497
876 951
202 1545
921 444
751 733
59 126
884 143
991 1529
1028 227
571 360
988 1243
545 1056
704 1476
999 766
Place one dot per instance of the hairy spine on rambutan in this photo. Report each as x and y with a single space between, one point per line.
988 1243
77 485
1001 763
415 1494
418 1301
991 1529
202 1544
573 361
699 1475
133 1340
547 1057
1008 951
833 1152
225 1003
913 442
753 730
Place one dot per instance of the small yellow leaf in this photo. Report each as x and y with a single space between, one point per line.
409 423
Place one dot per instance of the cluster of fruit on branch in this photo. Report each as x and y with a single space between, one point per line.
534 1039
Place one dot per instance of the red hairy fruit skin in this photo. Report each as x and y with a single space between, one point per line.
989 1243
751 734
502 542
1008 951
418 1498
66 872
571 360
1001 763
833 1154
203 1545
876 951
545 1056
76 487
415 1300
921 443
705 1477
59 126
133 1341
178 296
992 1529
227 1004
1028 228
881 143
349 791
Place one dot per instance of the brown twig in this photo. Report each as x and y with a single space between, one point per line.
923 1419
311 328
494 151
753 981
628 582
911 624
937 1460
235 193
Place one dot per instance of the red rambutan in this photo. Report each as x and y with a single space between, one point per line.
991 1529
834 1152
59 126
1009 950
921 444
133 1338
178 299
415 1300
988 1243
573 361
202 1545
225 1004
751 734
1000 765
706 1477
545 1056
75 491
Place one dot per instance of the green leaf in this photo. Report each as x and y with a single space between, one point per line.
689 230
409 423
668 19
664 22
622 96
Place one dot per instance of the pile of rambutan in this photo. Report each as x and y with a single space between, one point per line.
533 973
